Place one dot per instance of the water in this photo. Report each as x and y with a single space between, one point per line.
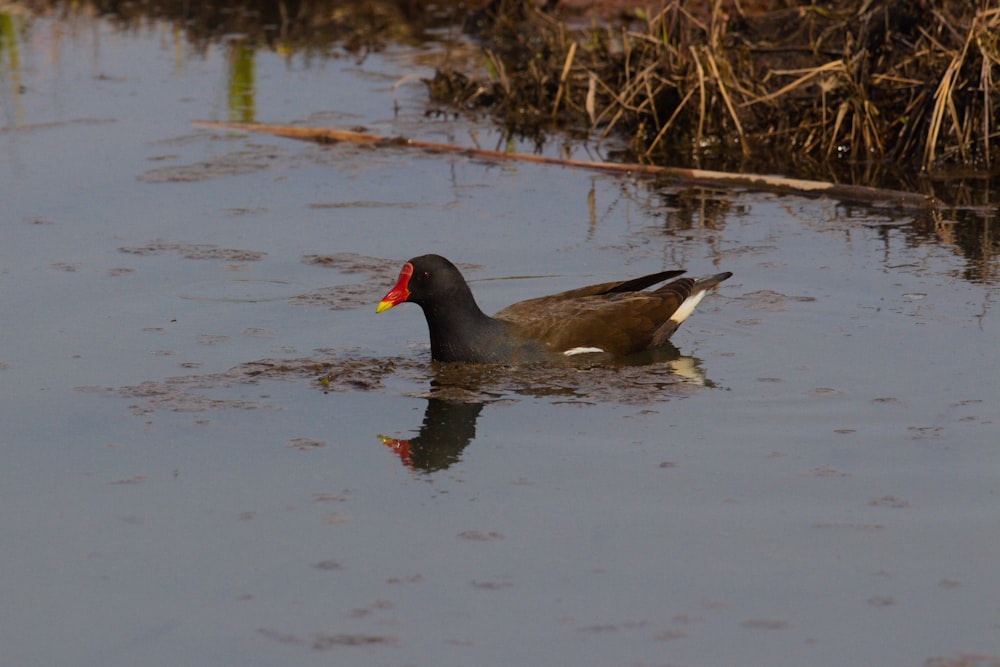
813 480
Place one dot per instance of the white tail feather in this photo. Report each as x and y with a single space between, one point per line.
687 307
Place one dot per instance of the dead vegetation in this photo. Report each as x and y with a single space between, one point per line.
860 81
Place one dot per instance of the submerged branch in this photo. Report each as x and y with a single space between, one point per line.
855 193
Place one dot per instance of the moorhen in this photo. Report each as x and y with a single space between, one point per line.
615 318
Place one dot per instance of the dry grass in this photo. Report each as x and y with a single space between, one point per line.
869 80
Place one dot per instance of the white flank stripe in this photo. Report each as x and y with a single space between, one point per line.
581 350
687 307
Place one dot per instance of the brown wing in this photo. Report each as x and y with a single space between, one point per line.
539 306
617 322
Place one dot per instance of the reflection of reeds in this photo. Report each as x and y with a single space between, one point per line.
870 80
10 63
357 26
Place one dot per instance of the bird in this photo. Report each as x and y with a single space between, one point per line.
613 319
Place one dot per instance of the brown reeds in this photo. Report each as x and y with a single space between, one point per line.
909 83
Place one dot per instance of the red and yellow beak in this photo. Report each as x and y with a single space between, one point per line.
400 292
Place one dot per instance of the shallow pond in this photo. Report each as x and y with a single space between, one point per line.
205 422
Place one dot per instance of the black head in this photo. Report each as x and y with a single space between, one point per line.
459 330
428 280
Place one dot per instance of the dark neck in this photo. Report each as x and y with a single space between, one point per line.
460 331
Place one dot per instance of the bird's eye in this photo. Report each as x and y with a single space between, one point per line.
424 275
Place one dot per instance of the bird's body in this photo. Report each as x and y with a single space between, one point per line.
614 318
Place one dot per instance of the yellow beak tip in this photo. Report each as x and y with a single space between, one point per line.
383 306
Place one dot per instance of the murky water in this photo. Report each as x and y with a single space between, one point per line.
214 452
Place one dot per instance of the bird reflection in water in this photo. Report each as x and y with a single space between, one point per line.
458 393
449 426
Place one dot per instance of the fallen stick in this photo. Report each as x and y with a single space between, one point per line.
855 193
